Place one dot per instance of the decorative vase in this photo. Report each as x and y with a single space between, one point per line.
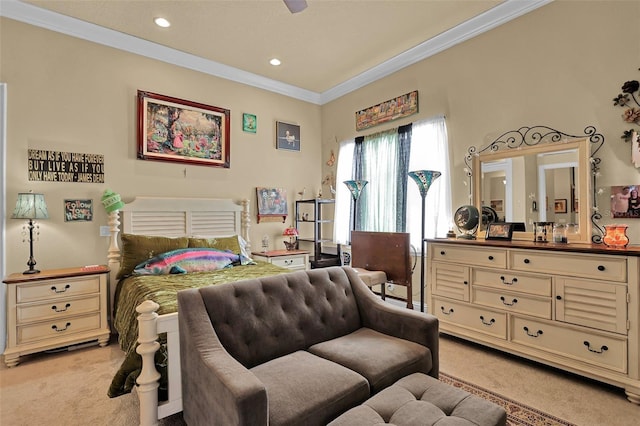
616 235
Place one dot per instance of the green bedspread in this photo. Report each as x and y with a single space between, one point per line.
163 290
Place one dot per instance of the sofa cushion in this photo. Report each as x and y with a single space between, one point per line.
381 358
261 319
308 390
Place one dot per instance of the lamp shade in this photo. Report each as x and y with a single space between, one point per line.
356 186
290 232
424 179
30 206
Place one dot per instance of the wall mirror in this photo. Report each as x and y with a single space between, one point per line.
538 174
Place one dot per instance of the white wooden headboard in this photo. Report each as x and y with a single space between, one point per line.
176 217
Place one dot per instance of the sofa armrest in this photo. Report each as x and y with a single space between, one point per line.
418 327
216 389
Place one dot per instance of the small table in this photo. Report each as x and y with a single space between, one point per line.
297 260
56 308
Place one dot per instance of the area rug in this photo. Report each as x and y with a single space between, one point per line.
518 414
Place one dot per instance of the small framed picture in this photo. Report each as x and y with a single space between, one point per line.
249 123
499 231
287 136
560 205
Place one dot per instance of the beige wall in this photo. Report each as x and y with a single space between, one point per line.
71 95
560 66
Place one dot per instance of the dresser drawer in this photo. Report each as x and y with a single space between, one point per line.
598 349
56 328
450 280
610 268
57 288
57 309
514 281
479 256
512 302
478 318
291 262
595 304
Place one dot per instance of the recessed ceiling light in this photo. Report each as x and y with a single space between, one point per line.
161 22
275 62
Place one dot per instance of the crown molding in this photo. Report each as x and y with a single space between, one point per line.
30 14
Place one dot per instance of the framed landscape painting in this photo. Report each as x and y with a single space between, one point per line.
176 130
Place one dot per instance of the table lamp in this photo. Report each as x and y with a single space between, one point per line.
292 233
30 206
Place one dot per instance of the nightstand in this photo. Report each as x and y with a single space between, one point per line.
297 260
56 308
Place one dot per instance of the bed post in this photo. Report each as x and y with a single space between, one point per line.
148 380
245 221
113 258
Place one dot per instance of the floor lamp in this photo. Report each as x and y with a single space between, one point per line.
356 187
424 179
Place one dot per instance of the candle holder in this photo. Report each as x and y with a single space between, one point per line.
616 236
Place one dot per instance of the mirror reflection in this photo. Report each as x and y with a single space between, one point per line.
543 183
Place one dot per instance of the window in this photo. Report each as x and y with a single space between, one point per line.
391 201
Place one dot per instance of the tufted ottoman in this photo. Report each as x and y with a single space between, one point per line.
421 400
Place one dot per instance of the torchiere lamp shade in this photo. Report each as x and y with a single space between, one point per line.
424 179
356 186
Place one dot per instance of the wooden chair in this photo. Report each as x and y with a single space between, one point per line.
381 258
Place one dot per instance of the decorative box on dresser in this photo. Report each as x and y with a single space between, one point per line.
572 306
56 308
297 260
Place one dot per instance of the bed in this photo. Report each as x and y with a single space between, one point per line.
144 307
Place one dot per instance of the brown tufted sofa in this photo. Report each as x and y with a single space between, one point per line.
295 349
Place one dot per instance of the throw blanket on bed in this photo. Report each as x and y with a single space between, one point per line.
163 290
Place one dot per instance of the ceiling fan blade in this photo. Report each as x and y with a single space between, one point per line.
295 6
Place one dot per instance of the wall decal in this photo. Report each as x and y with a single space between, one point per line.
56 166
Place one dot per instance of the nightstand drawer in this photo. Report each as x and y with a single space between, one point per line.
65 326
57 309
291 262
58 288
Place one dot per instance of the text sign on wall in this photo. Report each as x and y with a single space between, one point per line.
56 166
78 210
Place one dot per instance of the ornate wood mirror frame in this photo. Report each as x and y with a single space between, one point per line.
532 144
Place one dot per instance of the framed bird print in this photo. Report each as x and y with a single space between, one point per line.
287 136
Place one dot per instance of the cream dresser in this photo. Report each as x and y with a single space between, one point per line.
297 260
572 306
55 308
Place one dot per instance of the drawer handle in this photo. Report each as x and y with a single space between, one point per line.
465 282
504 301
558 297
55 289
538 333
512 282
490 257
442 253
288 262
527 261
601 268
55 327
445 312
596 351
55 308
491 321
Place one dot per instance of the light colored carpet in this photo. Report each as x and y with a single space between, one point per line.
69 388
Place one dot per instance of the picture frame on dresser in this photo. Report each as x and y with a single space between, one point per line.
499 231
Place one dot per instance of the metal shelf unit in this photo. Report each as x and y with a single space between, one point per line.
312 213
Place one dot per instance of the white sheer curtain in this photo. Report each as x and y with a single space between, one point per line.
429 151
342 215
379 168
